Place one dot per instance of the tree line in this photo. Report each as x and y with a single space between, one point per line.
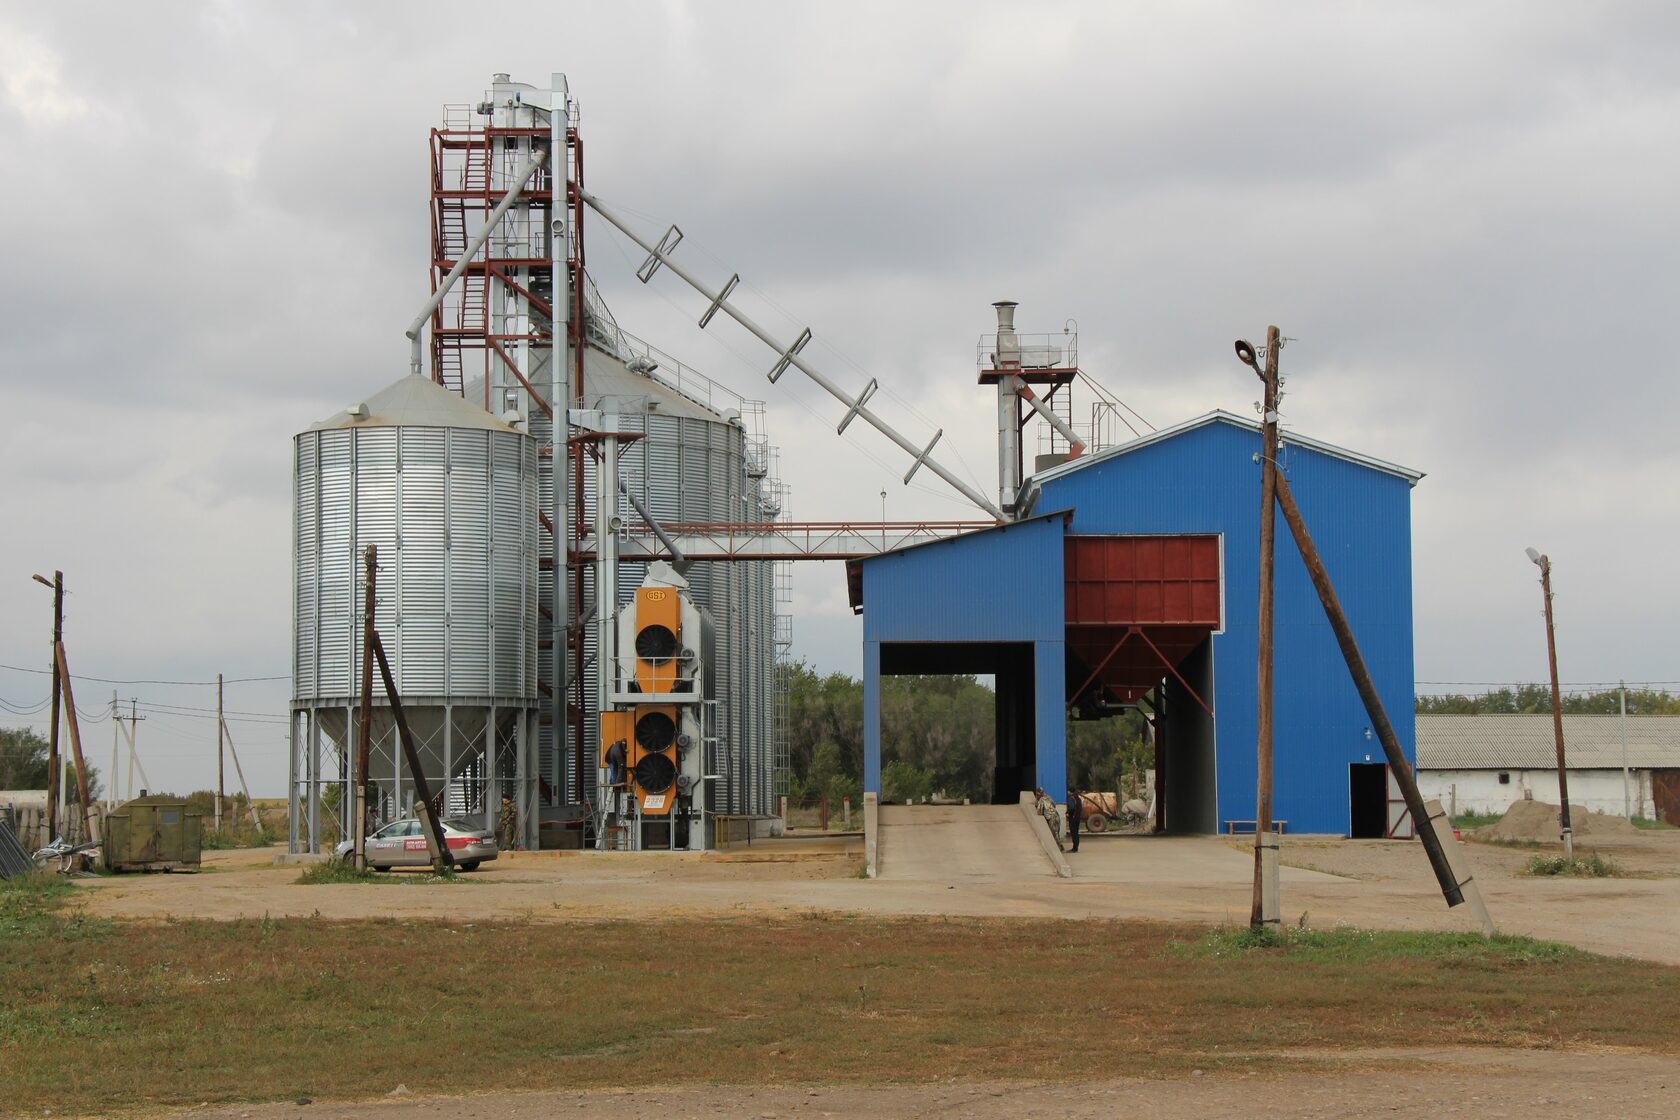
1534 699
938 739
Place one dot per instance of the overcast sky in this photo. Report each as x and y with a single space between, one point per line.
214 228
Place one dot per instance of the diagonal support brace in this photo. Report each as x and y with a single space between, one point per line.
781 366
857 405
672 238
923 457
734 279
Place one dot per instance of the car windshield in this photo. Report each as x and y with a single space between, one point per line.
463 824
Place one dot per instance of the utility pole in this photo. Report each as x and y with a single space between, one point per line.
219 736
1544 563
1627 805
54 766
111 782
134 718
364 734
1266 905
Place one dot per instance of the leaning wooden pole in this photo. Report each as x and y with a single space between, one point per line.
1455 889
250 803
438 848
90 827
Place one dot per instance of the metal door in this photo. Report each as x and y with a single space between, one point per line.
167 836
1400 823
1665 793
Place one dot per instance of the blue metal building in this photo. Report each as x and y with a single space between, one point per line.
1133 578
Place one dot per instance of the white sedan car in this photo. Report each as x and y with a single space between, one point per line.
403 844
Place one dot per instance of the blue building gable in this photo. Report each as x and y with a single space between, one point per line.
988 603
1205 478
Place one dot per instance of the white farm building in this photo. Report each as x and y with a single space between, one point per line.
1480 764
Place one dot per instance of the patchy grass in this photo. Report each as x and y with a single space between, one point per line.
31 910
1647 822
342 871
350 1009
1590 866
1476 820
244 835
1368 946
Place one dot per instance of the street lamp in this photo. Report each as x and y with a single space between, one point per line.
1544 563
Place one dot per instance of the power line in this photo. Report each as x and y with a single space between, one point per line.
113 680
22 710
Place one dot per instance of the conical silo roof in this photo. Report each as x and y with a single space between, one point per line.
414 401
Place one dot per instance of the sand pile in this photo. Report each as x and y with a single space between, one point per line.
1536 822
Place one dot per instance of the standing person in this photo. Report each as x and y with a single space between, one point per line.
615 763
508 825
1075 813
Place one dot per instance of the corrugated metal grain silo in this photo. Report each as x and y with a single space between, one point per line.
448 494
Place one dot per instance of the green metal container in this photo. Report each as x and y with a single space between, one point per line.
152 834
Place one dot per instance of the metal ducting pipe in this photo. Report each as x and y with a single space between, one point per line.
678 560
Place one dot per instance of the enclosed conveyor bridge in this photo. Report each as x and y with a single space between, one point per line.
785 540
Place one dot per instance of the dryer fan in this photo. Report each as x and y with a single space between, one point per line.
655 773
655 644
655 731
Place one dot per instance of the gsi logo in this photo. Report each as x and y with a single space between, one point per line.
655 595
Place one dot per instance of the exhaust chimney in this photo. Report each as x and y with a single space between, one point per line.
1008 354
1006 315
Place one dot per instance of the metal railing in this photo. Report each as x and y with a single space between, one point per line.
1028 351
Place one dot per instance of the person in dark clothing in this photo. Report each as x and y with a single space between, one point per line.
615 763
1075 813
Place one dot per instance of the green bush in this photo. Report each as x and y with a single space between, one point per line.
902 782
1593 866
243 835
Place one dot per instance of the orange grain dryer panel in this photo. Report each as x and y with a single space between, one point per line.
658 638
653 756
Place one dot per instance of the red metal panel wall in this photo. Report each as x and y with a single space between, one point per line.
1142 581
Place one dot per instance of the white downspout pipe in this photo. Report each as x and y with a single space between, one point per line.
473 246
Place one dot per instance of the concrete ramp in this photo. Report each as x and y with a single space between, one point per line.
959 843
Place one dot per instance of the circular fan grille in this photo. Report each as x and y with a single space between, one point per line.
655 731
656 643
655 773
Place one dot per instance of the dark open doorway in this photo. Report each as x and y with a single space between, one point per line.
1367 800
1010 665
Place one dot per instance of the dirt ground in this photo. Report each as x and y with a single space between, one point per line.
1487 1085
1372 884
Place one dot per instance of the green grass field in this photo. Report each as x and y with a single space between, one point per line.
98 1016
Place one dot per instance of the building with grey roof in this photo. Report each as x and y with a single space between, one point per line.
1481 764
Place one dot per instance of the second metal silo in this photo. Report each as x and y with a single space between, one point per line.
697 462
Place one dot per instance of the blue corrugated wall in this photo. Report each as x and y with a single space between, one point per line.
1206 480
1003 585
